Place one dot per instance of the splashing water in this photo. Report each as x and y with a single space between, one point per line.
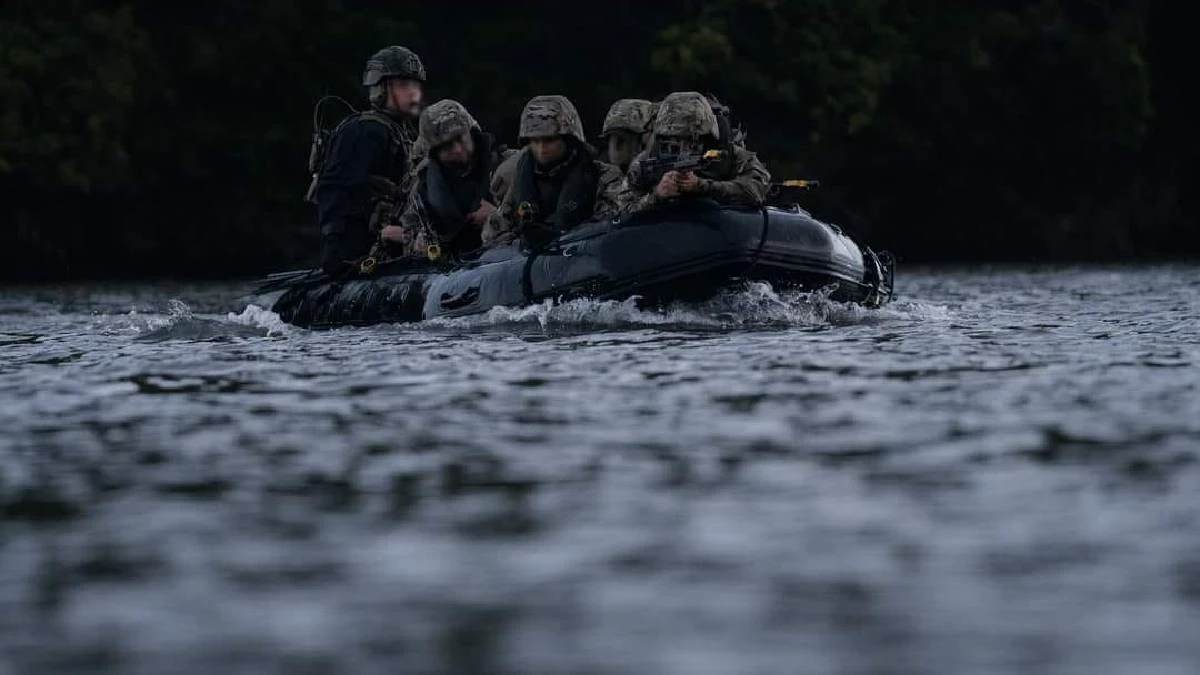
257 317
752 305
182 324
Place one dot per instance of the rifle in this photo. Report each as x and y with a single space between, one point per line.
653 167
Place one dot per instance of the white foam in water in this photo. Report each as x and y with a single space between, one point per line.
177 310
257 317
750 305
753 304
181 323
917 310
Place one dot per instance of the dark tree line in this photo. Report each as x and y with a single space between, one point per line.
147 138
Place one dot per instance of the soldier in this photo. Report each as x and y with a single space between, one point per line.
558 182
626 130
368 159
449 200
502 178
724 119
685 128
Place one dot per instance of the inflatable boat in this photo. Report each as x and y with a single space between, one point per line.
686 253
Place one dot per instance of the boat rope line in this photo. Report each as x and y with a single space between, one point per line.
526 276
762 239
552 248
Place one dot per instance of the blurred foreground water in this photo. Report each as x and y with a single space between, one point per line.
996 474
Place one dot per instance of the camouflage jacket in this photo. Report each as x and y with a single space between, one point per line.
421 224
747 187
502 177
503 226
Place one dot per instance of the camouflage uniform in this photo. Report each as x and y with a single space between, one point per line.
502 178
555 199
630 117
439 200
741 180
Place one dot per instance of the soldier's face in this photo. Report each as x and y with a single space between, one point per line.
457 153
405 96
622 147
547 151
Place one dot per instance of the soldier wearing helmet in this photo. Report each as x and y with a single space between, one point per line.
686 125
558 183
626 130
450 200
363 172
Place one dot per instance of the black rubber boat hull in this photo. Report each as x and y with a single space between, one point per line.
685 254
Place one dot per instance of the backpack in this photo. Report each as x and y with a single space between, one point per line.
318 152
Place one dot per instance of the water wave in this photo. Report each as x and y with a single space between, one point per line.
751 305
181 323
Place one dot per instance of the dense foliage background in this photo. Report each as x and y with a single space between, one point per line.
148 138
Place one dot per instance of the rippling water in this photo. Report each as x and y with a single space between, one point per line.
996 474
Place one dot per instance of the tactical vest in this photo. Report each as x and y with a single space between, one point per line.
451 198
569 204
401 143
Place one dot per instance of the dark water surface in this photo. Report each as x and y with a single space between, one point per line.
998 474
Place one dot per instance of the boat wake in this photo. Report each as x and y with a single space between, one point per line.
749 306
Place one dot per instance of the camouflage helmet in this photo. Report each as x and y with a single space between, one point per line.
551 115
444 121
686 113
628 114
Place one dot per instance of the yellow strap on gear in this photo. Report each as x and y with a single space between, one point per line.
434 252
713 155
798 183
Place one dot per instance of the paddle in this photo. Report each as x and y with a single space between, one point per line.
282 280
